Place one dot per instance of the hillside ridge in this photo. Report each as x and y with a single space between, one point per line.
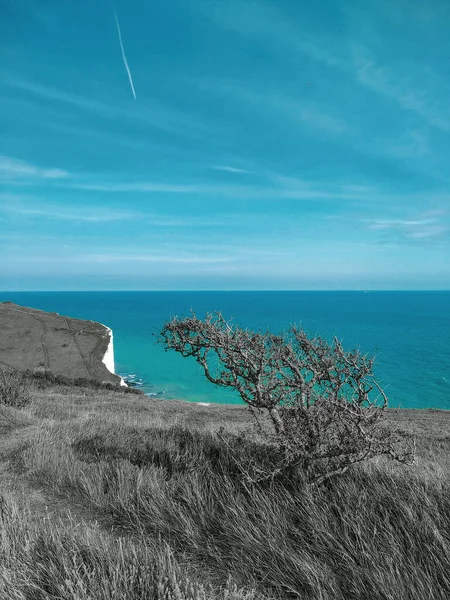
35 340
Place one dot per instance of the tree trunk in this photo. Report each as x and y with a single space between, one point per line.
276 420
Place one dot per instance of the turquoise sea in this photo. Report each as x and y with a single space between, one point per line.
409 332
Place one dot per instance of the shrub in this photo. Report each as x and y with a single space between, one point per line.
46 379
319 398
14 389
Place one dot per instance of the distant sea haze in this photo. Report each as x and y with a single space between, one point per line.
408 332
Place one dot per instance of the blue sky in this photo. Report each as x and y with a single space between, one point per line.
271 144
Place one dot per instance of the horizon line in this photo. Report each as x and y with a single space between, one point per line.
216 290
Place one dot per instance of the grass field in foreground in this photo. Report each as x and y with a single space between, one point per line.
108 495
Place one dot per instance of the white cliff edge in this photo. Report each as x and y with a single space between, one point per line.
108 359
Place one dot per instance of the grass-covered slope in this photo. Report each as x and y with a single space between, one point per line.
111 495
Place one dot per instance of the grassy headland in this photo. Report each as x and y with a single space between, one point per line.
108 495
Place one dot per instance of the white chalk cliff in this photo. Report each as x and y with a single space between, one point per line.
108 359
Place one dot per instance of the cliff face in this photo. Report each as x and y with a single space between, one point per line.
36 340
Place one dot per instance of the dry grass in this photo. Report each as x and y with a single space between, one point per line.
135 498
14 389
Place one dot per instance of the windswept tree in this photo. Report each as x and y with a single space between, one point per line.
324 404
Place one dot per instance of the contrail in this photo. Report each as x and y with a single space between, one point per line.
125 62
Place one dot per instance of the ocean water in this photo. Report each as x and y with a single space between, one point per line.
408 332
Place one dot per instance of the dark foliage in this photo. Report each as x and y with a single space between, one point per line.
323 416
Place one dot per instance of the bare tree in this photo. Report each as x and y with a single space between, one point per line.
323 402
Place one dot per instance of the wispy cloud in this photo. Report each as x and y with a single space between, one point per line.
151 114
421 228
429 232
286 107
155 258
412 144
314 117
17 205
290 189
436 212
407 84
91 259
359 189
86 214
144 186
291 186
267 23
256 19
397 223
230 169
50 93
404 90
12 168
